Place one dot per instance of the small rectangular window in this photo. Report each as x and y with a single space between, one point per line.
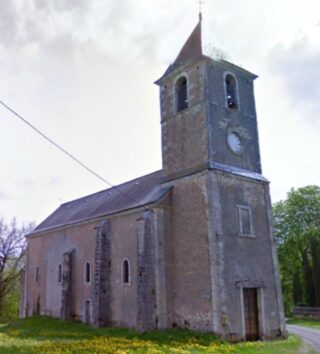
59 273
87 272
37 275
245 221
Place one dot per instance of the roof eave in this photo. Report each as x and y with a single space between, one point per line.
97 217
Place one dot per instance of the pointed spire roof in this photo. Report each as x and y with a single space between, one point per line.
192 49
190 52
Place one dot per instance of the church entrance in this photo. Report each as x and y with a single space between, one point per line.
251 315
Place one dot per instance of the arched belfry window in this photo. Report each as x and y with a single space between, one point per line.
87 272
126 272
231 92
181 93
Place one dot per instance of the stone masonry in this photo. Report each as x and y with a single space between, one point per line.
102 274
190 245
66 296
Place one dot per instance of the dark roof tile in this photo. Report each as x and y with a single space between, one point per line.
190 52
132 194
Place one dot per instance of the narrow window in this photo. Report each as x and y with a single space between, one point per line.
59 273
87 311
181 94
126 272
245 222
87 272
231 92
37 275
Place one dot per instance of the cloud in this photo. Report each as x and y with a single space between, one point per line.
298 69
9 20
38 21
114 27
54 181
4 195
60 5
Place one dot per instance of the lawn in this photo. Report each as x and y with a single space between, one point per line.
307 322
46 335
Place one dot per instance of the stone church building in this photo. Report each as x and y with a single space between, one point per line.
190 245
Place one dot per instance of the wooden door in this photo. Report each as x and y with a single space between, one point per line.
250 302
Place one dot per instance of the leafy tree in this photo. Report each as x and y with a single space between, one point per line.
12 258
297 232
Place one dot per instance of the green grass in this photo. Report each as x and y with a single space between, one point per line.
46 335
306 322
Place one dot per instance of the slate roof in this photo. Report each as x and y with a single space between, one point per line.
237 171
138 192
190 52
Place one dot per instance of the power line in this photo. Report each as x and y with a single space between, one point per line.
64 151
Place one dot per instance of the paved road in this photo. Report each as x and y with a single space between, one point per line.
310 335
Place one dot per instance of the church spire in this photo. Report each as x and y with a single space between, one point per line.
190 52
192 49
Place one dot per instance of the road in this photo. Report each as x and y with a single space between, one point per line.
310 335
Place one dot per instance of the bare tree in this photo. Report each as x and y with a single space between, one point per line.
12 256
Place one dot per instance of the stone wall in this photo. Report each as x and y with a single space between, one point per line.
184 134
222 120
102 276
46 252
245 261
67 285
187 256
188 262
146 318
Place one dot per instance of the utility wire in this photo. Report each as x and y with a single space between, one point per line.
65 151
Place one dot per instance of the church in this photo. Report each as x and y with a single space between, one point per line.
188 246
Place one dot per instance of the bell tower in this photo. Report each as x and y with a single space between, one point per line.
221 255
208 115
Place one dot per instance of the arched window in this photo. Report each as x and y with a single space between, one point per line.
59 273
231 92
87 272
37 275
126 272
181 94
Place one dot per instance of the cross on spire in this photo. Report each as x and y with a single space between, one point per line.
200 2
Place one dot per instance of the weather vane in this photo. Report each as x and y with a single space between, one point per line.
200 2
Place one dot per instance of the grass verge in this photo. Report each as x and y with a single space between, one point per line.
46 335
306 322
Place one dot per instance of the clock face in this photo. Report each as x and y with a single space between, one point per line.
234 143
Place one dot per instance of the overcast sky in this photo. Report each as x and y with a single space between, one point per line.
83 71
